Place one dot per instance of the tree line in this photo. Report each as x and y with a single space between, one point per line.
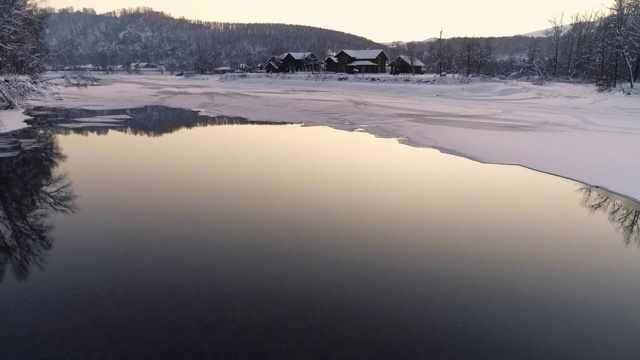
602 47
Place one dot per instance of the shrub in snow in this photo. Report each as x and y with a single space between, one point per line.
79 79
15 90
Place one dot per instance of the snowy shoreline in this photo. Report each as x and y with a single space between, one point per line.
568 130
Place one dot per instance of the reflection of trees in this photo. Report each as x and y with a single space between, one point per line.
152 121
30 191
623 213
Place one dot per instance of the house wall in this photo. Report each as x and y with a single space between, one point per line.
343 61
312 63
270 68
288 64
293 65
331 66
381 60
402 67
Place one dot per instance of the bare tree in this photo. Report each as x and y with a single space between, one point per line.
620 11
484 54
634 34
202 62
533 54
555 34
584 33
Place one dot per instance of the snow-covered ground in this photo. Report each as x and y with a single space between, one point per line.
11 120
569 130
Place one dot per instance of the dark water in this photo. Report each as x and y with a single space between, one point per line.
242 241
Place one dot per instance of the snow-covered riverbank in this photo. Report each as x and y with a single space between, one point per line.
565 129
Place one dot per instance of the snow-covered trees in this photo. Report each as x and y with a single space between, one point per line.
144 35
555 34
474 56
594 46
202 64
412 52
22 50
603 47
21 28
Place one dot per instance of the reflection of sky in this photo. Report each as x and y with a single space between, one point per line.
340 184
355 227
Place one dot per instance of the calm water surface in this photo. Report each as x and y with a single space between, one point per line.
243 241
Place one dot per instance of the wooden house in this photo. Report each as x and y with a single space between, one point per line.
293 62
272 65
403 65
362 61
331 64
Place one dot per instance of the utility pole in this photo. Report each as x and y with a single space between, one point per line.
440 54
395 68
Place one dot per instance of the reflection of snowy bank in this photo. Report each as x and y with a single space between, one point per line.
149 121
565 129
87 124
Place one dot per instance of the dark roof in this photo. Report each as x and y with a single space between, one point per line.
272 63
407 60
301 55
296 55
364 54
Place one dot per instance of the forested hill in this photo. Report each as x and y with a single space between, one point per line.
145 35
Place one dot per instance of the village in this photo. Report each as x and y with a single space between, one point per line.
346 61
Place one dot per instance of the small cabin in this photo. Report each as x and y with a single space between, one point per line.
222 70
404 64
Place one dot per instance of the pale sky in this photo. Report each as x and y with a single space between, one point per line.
378 20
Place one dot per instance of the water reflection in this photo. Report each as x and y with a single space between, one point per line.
152 121
30 188
30 191
196 247
622 212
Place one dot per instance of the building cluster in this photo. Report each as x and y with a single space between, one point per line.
345 61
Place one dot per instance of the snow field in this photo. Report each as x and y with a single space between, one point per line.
570 130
